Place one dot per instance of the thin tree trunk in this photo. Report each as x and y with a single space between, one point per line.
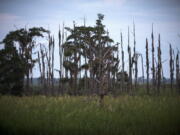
177 73
153 61
40 68
43 66
159 66
130 63
171 64
52 68
147 66
122 55
135 57
142 66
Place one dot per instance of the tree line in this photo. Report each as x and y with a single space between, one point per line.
89 62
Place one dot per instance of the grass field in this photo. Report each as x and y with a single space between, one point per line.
124 115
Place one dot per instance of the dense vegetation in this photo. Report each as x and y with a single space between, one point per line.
11 72
81 115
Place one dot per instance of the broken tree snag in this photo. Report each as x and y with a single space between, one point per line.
153 60
147 66
130 64
171 64
159 66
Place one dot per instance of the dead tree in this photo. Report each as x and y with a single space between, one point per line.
122 55
48 57
135 57
171 65
42 52
147 65
85 59
177 73
52 66
142 65
32 63
153 61
61 60
159 66
130 63
40 67
48 67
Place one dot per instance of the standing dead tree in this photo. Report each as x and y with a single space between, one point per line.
49 57
130 63
61 54
171 65
122 55
147 65
159 66
52 63
40 67
135 57
153 61
177 73
142 65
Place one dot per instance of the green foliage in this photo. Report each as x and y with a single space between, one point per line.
11 72
67 115
93 43
24 41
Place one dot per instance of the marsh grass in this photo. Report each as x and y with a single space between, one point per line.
123 115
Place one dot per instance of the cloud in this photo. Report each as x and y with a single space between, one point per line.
115 1
5 17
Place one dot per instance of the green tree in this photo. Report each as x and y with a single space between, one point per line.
72 52
24 40
11 72
104 60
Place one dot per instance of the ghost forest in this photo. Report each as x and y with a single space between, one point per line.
90 63
84 83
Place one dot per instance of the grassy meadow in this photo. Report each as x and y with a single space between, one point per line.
80 115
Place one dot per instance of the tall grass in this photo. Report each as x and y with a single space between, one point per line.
82 115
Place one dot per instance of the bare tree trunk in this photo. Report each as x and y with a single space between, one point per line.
48 57
122 55
142 65
43 66
159 71
171 64
52 66
61 70
130 63
147 66
40 68
153 61
85 79
47 71
177 73
31 68
135 57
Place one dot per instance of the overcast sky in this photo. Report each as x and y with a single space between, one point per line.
119 14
